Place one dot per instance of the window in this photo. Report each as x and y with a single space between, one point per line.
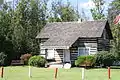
83 51
50 54
93 51
42 51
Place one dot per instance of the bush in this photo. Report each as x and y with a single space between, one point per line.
99 58
37 61
85 61
104 58
25 58
3 58
108 59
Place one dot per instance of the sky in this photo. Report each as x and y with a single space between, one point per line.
81 3
85 5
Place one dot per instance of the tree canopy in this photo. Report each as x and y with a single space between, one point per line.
98 10
62 12
113 11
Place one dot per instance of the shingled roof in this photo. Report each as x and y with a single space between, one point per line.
66 33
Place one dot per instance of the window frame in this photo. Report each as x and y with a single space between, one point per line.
84 48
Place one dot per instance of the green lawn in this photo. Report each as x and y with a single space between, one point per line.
21 73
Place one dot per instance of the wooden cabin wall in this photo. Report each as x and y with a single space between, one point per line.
73 54
103 42
83 42
42 50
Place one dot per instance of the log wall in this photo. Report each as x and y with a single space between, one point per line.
83 42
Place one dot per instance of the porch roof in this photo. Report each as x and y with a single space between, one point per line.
55 47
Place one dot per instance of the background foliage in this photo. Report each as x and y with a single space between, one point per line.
3 58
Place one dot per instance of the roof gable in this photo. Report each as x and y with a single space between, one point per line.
108 30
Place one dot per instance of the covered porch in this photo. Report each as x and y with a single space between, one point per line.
56 55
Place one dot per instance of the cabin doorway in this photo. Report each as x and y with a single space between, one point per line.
66 55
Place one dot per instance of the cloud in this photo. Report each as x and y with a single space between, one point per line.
8 0
90 4
87 5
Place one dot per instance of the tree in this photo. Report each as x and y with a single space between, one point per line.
29 17
37 18
6 45
113 11
62 12
19 26
1 2
97 11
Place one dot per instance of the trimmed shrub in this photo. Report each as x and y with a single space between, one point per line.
3 58
80 60
25 58
104 58
37 61
85 61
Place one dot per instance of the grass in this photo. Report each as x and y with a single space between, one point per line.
21 73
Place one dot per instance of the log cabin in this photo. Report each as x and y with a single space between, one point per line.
63 42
